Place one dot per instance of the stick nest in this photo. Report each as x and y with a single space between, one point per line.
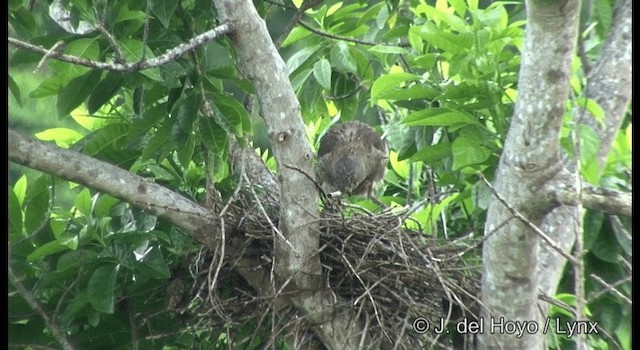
386 274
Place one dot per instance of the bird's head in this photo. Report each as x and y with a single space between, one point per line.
348 172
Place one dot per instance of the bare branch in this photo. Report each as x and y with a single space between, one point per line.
528 223
609 83
189 216
55 330
600 199
168 56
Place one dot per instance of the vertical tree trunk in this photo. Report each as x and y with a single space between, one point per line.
531 161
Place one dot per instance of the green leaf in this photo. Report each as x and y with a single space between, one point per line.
22 21
413 92
62 136
36 203
104 90
401 168
467 152
389 82
164 10
141 123
76 91
589 149
606 246
132 50
593 222
74 259
184 112
448 42
15 215
88 48
322 73
15 90
438 117
159 139
103 205
160 173
83 202
297 33
433 154
53 247
185 152
48 87
106 140
74 307
20 188
212 135
495 17
220 168
397 50
298 79
155 263
341 58
100 289
231 115
300 57
415 39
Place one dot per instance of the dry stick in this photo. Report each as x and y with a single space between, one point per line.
56 331
612 288
528 223
558 303
366 290
55 51
112 42
266 216
223 232
447 291
476 244
294 20
578 268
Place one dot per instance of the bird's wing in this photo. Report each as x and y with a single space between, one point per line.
370 138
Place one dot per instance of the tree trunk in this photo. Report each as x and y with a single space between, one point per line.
530 161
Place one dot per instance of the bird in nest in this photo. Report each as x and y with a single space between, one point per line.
352 159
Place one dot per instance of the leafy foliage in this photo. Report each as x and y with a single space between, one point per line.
442 75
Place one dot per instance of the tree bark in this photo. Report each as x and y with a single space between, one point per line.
297 263
610 85
530 160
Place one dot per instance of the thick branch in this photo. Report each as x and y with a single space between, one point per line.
608 201
73 166
297 263
531 158
609 83
198 222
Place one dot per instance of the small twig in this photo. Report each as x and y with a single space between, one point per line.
611 288
366 291
55 51
266 216
343 38
55 330
145 32
112 42
294 20
528 223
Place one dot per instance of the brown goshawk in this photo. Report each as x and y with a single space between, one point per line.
352 158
